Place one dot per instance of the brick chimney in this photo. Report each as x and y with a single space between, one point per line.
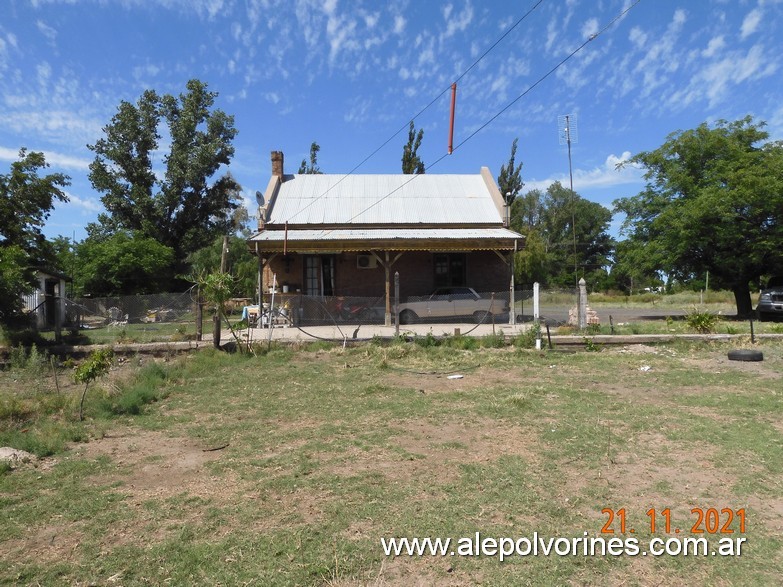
277 164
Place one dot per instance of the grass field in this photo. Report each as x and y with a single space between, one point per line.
288 468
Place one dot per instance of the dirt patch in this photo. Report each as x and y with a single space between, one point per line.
721 364
45 544
442 383
157 465
436 450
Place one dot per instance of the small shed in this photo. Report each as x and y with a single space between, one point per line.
47 302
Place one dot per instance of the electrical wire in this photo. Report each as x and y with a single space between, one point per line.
422 111
509 105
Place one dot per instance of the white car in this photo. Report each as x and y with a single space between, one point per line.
449 303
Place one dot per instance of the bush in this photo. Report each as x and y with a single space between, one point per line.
463 343
426 341
527 339
701 321
494 341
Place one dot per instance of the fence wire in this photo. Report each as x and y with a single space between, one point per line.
150 314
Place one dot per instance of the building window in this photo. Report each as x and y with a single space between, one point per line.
450 269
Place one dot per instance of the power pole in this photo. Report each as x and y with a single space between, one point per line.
568 133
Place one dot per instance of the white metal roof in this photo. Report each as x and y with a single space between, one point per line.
384 199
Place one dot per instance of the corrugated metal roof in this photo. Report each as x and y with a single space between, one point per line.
384 199
347 234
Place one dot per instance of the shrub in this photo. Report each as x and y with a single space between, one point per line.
494 341
463 343
527 339
427 341
701 321
95 366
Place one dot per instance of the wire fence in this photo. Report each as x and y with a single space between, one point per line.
175 316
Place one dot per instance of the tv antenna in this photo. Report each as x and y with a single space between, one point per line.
568 133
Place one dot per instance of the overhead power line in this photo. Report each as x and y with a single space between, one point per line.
428 106
510 104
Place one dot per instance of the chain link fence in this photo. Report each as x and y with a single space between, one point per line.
174 316
448 305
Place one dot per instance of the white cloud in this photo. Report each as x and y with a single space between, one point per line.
370 20
46 31
751 22
44 71
662 57
715 45
62 126
143 71
457 23
638 37
590 28
399 24
57 160
88 206
606 175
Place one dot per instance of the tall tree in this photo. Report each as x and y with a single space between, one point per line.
123 264
411 162
311 168
549 221
510 178
184 207
570 217
26 200
713 202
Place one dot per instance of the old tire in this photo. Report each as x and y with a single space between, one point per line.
408 317
748 355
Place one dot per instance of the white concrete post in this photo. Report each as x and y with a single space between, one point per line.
536 315
582 303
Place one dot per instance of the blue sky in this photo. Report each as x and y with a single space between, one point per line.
349 74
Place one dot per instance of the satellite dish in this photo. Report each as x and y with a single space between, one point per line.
260 199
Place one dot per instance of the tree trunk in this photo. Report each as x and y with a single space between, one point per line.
742 298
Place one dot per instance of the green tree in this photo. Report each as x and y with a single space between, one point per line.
527 211
26 200
125 263
713 202
311 168
510 178
531 264
550 220
96 365
411 162
185 207
243 267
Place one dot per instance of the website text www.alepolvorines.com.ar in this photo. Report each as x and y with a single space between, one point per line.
536 545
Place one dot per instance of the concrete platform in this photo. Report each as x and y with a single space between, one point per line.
349 332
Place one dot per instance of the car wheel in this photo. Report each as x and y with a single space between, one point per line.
745 355
408 317
482 317
366 315
766 317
